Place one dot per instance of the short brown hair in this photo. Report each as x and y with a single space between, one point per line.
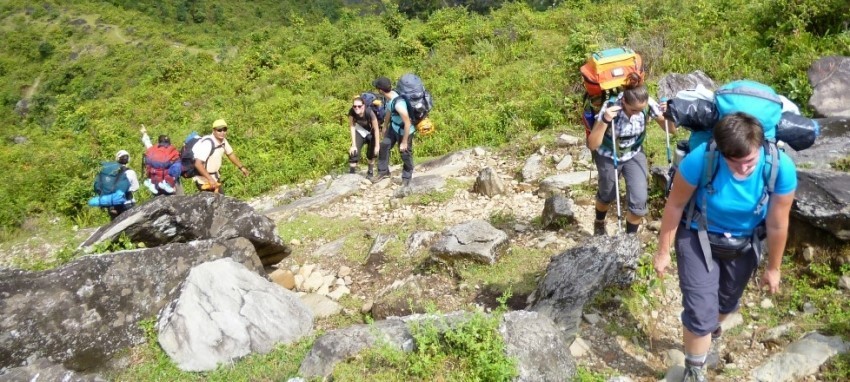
737 134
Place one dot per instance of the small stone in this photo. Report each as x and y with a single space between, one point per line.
809 308
284 278
674 357
367 307
306 270
766 304
347 280
844 282
295 242
479 152
591 318
579 348
809 254
339 292
343 271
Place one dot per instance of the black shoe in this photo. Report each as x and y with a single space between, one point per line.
405 182
369 175
380 177
599 228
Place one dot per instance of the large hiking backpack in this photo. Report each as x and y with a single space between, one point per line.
375 105
419 101
187 158
111 185
158 162
604 75
700 109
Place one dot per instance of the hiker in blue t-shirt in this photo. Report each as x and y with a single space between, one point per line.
400 132
718 234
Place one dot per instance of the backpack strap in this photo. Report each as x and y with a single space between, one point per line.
771 171
710 164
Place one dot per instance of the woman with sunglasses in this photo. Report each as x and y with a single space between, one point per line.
617 144
364 130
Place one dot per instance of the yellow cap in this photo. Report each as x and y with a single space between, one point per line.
219 123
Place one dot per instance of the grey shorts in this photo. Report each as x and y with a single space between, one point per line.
706 294
635 173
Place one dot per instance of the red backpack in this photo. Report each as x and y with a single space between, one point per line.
158 159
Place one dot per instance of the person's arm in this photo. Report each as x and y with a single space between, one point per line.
145 138
594 140
134 180
405 118
778 214
233 158
353 130
673 209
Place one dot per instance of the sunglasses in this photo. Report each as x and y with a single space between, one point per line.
358 106
221 130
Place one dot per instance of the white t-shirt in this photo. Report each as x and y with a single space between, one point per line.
134 184
211 151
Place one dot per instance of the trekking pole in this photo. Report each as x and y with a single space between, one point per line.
616 175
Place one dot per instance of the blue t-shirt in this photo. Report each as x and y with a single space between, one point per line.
698 138
732 206
395 118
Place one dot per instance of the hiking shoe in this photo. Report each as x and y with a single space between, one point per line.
369 175
352 170
694 373
380 177
599 228
405 182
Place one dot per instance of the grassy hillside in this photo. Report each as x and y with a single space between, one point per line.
282 74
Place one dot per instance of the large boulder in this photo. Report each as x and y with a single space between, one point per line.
823 200
671 84
224 312
540 348
322 195
830 80
575 276
181 219
82 313
474 240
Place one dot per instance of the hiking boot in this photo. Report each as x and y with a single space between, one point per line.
405 182
599 228
369 175
694 373
380 177
352 170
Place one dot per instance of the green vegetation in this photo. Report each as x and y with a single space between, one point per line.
282 74
472 350
150 363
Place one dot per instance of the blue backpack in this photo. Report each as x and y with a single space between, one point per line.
111 185
753 98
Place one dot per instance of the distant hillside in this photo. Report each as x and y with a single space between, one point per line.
78 79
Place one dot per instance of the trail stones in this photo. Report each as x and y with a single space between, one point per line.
489 183
559 184
558 212
474 240
566 140
533 168
421 185
225 312
801 359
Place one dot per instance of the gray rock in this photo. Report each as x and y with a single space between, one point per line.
584 155
205 215
559 184
420 239
775 334
823 200
225 312
673 83
844 282
323 195
331 249
22 107
579 348
84 312
421 185
44 370
565 163
832 144
19 140
660 176
541 350
801 359
341 344
575 276
379 245
533 168
414 294
475 240
489 183
566 140
830 80
448 165
321 306
558 212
